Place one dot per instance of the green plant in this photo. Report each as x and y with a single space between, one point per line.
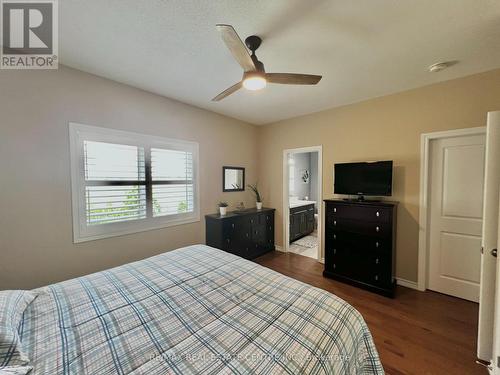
255 190
129 208
182 207
223 204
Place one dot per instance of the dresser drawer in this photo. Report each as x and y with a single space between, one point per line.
340 262
235 225
360 227
350 240
264 218
373 214
374 268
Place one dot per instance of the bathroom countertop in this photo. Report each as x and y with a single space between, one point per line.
298 203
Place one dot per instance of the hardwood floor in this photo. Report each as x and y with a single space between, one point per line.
415 333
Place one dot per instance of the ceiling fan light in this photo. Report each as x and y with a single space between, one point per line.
254 83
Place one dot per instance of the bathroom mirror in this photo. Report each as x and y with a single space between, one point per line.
233 179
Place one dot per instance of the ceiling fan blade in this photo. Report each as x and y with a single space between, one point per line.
236 46
228 92
293 79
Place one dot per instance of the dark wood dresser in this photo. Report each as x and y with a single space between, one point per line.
360 244
301 221
248 234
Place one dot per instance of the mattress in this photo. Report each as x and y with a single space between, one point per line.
195 310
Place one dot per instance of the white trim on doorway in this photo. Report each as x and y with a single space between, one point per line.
279 248
286 204
424 195
407 283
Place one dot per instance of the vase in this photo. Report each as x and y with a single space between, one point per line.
259 205
223 211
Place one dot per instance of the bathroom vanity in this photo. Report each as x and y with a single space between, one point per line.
301 219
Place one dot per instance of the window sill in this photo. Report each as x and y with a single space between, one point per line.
138 229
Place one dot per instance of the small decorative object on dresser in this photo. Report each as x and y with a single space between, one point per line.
258 198
248 233
223 208
360 244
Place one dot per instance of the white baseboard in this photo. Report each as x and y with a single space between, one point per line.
407 283
280 249
400 281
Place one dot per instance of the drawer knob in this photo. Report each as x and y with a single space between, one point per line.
377 229
232 225
334 236
376 261
334 209
376 277
377 244
335 222
378 214
334 266
335 251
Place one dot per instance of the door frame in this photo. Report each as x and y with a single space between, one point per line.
424 222
286 192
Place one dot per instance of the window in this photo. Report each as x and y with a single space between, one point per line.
126 182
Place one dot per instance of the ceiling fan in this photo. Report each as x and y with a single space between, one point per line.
254 74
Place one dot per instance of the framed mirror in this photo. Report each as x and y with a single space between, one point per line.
233 179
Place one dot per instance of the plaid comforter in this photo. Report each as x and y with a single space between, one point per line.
194 310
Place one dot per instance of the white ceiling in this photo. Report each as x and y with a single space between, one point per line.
363 48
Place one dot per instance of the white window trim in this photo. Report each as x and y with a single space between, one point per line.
81 232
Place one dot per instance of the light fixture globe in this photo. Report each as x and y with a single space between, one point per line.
254 81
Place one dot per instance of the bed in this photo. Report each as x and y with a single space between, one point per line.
192 310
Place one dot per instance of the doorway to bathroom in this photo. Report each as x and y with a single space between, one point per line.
302 201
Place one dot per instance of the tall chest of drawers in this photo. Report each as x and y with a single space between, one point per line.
360 244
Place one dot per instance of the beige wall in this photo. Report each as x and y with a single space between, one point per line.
384 128
36 245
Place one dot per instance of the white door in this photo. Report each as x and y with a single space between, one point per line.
490 234
456 215
495 357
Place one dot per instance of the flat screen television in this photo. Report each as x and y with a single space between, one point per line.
367 178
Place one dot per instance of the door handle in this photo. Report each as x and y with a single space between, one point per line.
494 252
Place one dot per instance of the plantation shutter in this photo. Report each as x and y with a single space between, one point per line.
172 181
125 182
114 183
